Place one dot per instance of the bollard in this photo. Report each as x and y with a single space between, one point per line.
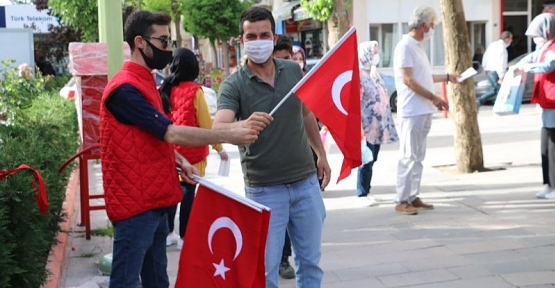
444 97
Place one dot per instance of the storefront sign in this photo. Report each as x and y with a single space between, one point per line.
27 16
290 26
309 24
216 79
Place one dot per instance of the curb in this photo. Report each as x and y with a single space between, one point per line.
55 263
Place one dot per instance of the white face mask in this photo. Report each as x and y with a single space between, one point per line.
539 41
376 59
428 35
259 50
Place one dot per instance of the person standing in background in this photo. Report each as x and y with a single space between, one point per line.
184 103
494 63
542 63
417 103
377 123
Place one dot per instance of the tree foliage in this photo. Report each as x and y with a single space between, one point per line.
215 20
81 15
318 9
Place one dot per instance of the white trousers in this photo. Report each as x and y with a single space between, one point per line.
412 150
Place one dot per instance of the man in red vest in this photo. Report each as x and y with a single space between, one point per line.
138 161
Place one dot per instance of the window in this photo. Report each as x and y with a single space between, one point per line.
387 37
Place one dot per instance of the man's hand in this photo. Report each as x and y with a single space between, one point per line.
258 121
187 171
439 103
453 78
242 136
324 171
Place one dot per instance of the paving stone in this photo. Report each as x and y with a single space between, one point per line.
530 278
489 282
415 278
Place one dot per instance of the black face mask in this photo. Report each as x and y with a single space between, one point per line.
160 58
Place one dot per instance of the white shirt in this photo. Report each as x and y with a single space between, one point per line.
410 53
495 58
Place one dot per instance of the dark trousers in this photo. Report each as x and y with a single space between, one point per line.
364 176
184 211
548 156
494 81
286 248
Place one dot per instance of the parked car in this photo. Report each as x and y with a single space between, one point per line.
209 94
388 80
482 84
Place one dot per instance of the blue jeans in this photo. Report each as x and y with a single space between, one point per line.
494 82
299 208
365 172
140 250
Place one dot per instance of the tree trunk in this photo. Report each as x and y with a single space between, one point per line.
462 97
225 58
338 22
215 63
177 21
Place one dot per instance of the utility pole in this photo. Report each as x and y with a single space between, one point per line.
109 11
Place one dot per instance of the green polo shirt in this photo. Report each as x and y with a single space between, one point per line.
282 153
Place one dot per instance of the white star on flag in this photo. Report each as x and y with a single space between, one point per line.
220 269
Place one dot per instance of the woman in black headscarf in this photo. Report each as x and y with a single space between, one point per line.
184 102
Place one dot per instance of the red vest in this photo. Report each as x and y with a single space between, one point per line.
138 169
544 85
183 112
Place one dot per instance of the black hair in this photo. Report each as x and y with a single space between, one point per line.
257 13
184 67
140 23
284 42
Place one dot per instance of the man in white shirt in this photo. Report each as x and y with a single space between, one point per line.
416 104
494 63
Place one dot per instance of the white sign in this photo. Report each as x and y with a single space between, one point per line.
27 16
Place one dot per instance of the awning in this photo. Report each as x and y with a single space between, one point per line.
300 14
286 11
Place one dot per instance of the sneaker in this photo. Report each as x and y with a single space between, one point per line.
406 208
179 244
372 200
171 239
542 194
286 271
550 195
418 204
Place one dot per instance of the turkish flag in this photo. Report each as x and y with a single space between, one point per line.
225 241
331 90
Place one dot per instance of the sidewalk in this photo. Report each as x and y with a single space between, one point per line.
487 230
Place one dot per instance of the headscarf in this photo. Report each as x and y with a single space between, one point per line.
365 56
543 26
297 49
184 67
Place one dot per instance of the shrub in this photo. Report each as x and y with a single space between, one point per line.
16 92
43 136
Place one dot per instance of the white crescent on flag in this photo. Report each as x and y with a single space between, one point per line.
338 84
225 222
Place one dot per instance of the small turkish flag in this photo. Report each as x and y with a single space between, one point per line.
331 90
225 241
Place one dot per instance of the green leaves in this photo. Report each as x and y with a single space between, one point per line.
319 9
213 19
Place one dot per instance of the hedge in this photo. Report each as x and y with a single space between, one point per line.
42 135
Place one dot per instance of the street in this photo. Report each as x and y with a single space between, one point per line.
487 229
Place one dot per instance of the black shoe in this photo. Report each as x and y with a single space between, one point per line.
286 271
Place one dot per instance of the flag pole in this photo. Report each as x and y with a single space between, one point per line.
315 68
219 189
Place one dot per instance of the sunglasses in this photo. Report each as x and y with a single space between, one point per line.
166 41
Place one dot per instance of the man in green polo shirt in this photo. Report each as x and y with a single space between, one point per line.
278 168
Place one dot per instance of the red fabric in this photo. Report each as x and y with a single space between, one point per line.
40 197
317 93
183 112
207 245
138 169
544 85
